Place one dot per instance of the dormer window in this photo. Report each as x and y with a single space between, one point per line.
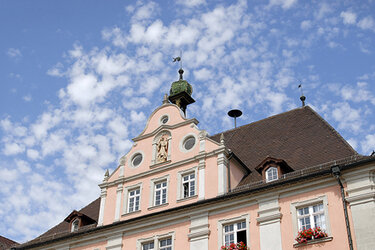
77 220
272 169
75 225
271 174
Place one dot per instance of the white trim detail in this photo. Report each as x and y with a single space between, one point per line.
269 217
118 202
126 197
114 242
156 240
130 161
299 204
103 196
180 175
152 190
201 179
182 142
161 119
222 164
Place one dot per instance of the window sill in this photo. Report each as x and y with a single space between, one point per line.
158 206
315 241
130 213
187 198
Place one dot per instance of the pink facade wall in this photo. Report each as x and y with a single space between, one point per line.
236 173
335 213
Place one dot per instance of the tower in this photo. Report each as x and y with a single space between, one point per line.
180 93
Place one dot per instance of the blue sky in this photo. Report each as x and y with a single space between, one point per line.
79 79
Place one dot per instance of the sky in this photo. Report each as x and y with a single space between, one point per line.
79 78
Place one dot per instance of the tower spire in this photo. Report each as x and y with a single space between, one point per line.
181 90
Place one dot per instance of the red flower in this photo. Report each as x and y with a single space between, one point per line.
312 233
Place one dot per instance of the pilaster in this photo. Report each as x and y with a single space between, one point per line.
199 232
269 217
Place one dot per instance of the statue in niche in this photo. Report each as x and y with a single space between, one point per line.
162 149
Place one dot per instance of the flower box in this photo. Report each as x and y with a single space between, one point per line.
235 246
309 234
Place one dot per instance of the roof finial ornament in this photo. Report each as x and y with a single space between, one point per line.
165 99
222 139
178 59
106 176
302 98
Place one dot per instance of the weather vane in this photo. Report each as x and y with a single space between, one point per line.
178 59
302 98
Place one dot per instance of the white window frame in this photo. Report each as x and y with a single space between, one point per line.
180 188
154 182
127 190
75 225
222 223
134 197
269 170
131 158
307 203
181 144
156 239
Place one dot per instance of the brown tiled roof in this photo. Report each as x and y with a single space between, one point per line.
300 137
6 243
91 210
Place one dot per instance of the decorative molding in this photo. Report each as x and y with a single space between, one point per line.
118 202
126 195
315 241
361 199
223 222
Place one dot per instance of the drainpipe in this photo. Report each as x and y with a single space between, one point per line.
336 173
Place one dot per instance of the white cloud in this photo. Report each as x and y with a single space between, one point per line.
347 117
27 98
56 70
348 17
306 24
203 74
285 4
368 145
191 3
8 175
367 23
14 53
13 148
32 154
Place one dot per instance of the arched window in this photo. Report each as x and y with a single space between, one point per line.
75 225
271 174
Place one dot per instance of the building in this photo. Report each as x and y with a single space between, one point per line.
6 243
179 188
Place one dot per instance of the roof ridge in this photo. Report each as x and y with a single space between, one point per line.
264 119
